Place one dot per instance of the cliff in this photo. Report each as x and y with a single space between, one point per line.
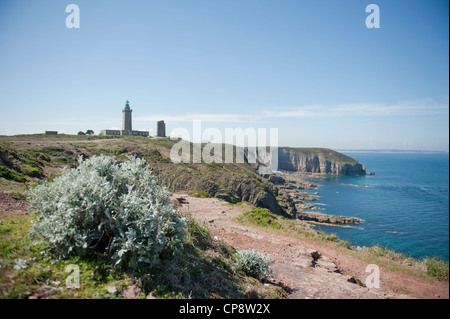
34 157
318 160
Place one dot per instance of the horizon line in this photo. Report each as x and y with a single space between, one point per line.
389 151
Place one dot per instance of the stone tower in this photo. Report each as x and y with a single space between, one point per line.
161 129
126 117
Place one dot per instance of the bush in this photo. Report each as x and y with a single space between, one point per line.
437 268
253 263
103 207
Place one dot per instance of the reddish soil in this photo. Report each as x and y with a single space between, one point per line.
328 277
10 202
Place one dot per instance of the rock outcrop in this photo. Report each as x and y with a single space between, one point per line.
326 219
318 160
290 184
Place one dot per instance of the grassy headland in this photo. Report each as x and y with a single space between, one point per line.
206 270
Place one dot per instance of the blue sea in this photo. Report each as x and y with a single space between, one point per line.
405 205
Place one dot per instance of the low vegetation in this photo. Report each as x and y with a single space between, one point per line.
253 263
206 268
199 194
116 226
437 268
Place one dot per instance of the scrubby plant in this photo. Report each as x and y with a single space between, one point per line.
109 208
253 263
200 194
261 217
437 268
12 175
32 171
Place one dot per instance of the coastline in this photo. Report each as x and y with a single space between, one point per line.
310 268
291 183
395 206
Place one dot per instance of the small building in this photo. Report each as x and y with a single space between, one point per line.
126 125
134 133
51 132
160 129
110 132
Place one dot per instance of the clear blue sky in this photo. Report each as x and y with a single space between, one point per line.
309 68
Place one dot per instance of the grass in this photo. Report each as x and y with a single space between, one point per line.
31 171
61 137
437 268
84 144
11 175
25 272
206 269
112 149
12 186
19 165
55 150
199 194
164 142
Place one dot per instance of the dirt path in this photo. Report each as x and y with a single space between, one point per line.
295 263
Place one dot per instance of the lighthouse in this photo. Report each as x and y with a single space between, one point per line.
127 128
126 117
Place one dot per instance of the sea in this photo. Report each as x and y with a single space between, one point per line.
405 205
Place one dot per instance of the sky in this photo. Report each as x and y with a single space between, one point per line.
311 69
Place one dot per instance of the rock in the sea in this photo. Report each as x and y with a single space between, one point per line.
327 219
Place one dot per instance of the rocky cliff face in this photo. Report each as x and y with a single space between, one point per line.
318 160
226 185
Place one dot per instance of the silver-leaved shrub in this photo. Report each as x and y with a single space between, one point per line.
253 263
109 208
